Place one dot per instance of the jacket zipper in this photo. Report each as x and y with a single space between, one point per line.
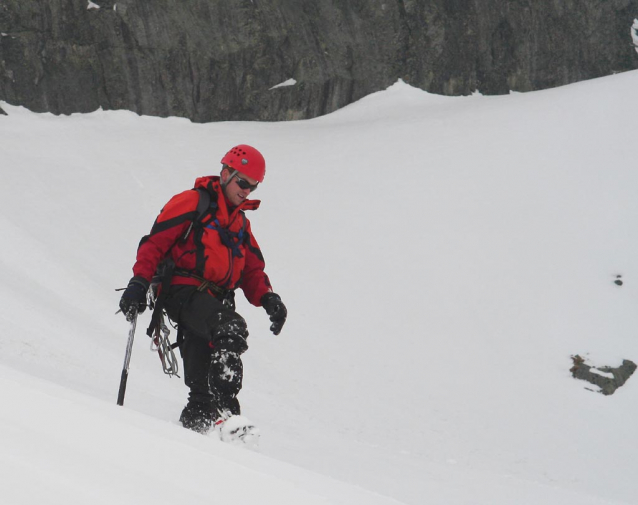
229 275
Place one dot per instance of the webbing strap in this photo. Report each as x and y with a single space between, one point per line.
230 239
204 283
204 203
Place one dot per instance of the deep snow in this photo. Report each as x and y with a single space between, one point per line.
441 259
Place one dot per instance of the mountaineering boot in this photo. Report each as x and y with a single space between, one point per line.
197 417
238 430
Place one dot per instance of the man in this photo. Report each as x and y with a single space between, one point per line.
211 253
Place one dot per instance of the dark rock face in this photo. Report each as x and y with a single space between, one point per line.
218 60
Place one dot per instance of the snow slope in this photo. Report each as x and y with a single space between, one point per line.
441 259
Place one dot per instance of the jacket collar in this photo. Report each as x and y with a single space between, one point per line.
212 183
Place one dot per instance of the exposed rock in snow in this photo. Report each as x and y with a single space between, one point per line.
606 378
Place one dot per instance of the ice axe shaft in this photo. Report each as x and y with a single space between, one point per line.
127 361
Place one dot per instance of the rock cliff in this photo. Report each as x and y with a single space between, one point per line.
214 60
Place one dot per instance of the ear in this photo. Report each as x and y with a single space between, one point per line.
224 174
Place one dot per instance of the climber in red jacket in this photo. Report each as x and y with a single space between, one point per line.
205 236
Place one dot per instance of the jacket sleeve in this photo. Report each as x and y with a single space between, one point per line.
255 282
171 224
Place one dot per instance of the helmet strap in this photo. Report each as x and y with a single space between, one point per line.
232 172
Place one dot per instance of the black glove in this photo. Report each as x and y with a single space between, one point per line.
276 310
133 299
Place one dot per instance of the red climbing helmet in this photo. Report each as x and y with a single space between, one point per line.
247 160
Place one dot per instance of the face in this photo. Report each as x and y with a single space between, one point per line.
235 194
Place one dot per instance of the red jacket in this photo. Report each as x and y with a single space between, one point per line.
238 264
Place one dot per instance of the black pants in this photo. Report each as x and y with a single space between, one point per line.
213 339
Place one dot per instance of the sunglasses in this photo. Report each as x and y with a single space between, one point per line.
244 184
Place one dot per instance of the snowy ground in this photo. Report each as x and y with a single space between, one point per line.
441 259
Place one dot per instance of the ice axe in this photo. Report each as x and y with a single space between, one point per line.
127 359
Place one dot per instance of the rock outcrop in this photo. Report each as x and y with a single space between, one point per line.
606 378
221 60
